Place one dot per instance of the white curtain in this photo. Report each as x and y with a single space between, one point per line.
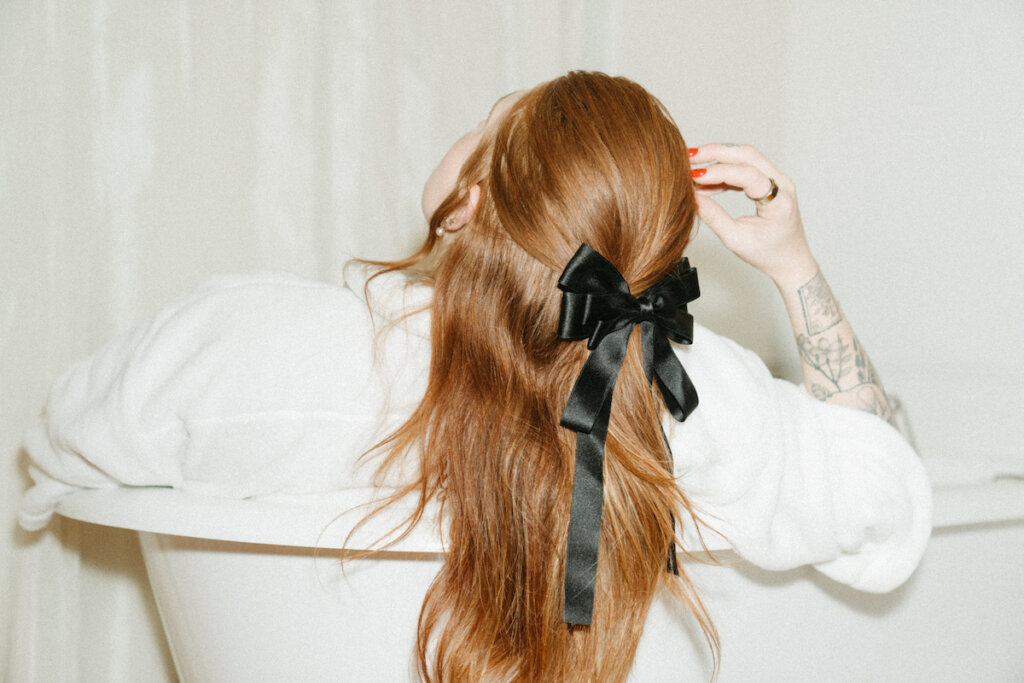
146 145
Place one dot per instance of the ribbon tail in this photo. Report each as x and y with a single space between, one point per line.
662 365
672 561
585 521
675 385
596 382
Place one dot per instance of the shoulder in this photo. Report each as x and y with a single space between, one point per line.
251 383
282 305
734 386
247 328
746 413
225 303
238 343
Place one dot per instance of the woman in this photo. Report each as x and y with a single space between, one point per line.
564 215
585 160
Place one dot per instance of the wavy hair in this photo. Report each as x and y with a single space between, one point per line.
583 158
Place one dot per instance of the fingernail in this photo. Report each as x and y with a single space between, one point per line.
698 172
691 152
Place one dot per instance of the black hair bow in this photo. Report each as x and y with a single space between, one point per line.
596 304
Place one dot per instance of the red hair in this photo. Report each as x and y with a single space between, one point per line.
583 158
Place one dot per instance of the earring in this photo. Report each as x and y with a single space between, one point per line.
445 226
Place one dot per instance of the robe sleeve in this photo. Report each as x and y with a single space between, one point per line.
788 480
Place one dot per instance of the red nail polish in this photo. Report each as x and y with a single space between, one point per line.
691 152
698 172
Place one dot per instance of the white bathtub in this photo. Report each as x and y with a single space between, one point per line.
243 597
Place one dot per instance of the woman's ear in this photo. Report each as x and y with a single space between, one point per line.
457 219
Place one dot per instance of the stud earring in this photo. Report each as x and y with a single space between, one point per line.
446 226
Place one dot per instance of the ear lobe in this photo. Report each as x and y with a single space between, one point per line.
466 211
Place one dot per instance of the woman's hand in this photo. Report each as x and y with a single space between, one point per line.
772 240
836 367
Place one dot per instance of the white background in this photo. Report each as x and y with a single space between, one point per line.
144 146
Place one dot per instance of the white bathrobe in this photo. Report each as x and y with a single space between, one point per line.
267 388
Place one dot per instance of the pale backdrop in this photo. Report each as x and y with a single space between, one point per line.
146 145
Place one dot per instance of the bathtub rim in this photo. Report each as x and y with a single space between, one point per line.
320 521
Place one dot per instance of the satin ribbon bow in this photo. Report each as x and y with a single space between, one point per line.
597 306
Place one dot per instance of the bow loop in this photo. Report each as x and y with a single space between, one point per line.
597 305
593 316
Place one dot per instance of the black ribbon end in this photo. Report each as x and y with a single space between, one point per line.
576 617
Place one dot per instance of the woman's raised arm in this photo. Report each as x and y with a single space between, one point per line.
836 368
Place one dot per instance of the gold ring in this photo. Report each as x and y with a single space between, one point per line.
761 201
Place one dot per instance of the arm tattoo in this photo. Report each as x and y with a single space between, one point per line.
836 366
866 372
831 358
819 305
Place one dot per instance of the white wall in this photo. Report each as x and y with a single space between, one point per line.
145 146
906 121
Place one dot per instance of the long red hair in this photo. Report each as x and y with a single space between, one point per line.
583 158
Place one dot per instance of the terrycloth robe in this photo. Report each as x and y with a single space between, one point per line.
269 387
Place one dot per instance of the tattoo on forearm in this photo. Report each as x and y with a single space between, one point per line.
819 305
872 399
832 358
866 372
835 364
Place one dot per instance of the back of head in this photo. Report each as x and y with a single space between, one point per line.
585 158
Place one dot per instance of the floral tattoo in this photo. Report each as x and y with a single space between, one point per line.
841 365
